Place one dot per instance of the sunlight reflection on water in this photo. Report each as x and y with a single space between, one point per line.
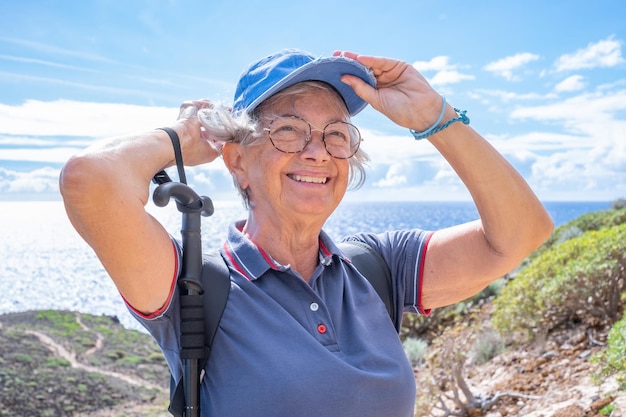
45 264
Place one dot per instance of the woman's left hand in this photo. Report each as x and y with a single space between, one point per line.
402 93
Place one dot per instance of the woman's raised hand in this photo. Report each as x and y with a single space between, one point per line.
197 146
402 93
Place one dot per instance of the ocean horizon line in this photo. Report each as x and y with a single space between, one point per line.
51 197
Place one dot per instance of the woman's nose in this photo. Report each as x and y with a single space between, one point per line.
315 147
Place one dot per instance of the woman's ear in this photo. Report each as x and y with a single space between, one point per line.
232 154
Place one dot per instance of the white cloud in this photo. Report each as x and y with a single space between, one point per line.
504 67
213 176
389 149
49 155
611 156
17 77
573 83
438 63
589 163
446 73
537 142
36 181
75 118
449 77
597 114
43 141
584 152
396 176
508 96
605 53
570 149
574 144
582 173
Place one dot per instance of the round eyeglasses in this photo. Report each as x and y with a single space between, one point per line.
291 134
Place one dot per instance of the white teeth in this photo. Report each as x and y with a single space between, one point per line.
315 180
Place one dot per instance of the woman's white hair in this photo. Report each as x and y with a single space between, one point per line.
222 126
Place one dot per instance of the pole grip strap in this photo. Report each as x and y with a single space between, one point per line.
161 176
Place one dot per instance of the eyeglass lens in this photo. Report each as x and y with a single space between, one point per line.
291 135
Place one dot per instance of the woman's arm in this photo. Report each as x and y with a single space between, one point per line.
105 189
461 260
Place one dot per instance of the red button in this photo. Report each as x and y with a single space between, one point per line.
321 328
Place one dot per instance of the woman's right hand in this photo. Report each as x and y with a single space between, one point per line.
197 147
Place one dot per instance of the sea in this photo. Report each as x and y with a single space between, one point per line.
44 264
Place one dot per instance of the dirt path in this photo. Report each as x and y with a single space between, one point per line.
70 356
64 363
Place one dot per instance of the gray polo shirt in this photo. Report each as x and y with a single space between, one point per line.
285 347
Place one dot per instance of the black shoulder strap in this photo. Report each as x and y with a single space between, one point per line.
374 268
216 284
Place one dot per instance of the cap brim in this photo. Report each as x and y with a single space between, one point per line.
328 70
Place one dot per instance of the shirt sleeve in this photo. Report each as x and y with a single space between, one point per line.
164 324
404 251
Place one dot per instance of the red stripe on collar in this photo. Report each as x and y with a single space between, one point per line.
234 263
324 249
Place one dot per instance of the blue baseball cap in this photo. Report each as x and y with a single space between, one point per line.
267 76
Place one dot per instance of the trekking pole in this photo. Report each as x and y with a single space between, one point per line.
192 351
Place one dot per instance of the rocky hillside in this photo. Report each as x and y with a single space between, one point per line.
56 363
549 378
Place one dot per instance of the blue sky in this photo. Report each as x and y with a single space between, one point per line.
543 81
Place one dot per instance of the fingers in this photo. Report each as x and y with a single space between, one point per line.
346 54
199 104
385 70
190 108
360 87
369 61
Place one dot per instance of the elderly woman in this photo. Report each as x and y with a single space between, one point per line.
302 333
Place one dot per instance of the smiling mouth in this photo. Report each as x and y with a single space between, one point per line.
312 180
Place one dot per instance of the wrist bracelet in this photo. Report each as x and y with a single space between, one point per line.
435 128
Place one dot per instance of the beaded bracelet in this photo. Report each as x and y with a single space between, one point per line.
435 128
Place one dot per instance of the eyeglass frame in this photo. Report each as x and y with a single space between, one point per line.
308 138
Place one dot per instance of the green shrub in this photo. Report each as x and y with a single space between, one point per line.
487 345
23 358
132 360
612 360
415 350
619 204
607 410
569 233
579 279
56 362
591 221
418 326
63 321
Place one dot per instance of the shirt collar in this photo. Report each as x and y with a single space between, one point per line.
252 261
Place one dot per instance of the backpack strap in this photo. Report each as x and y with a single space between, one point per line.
216 284
374 268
